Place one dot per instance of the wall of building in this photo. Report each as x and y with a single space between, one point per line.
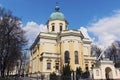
57 24
72 44
49 43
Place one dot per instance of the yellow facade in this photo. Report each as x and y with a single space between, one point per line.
49 50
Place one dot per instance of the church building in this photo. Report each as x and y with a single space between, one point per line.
59 46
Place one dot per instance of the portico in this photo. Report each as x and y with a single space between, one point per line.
105 70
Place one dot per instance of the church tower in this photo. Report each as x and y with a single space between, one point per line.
57 21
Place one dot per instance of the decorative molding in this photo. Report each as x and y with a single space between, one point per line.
71 34
48 37
70 40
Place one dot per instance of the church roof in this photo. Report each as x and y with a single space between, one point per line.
57 15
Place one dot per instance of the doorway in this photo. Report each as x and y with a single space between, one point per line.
108 73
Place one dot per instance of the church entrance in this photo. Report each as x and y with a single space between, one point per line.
108 73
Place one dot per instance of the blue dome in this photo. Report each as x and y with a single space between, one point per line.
57 15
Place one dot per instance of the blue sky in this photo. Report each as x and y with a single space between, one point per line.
79 13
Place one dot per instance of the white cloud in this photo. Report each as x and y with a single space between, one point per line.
32 30
107 29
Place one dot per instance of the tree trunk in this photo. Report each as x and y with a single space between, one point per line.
8 71
19 71
3 71
114 58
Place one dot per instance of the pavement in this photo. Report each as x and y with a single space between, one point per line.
21 78
27 78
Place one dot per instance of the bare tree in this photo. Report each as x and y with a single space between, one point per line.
95 50
22 59
12 39
113 53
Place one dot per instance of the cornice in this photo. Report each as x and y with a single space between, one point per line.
87 41
50 55
71 34
48 37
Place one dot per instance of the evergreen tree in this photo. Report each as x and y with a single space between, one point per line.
53 76
86 74
66 73
78 73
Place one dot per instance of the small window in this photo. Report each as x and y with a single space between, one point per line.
60 28
92 66
57 66
86 67
48 65
53 28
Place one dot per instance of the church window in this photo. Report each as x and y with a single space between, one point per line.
48 65
53 28
92 66
67 57
60 28
57 66
76 57
86 66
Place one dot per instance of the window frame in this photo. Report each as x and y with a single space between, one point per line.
53 28
76 59
61 28
66 57
57 66
48 65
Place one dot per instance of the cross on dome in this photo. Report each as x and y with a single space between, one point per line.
57 8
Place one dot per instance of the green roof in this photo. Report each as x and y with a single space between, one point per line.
57 15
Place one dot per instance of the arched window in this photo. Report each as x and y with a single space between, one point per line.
60 28
53 28
76 57
66 56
